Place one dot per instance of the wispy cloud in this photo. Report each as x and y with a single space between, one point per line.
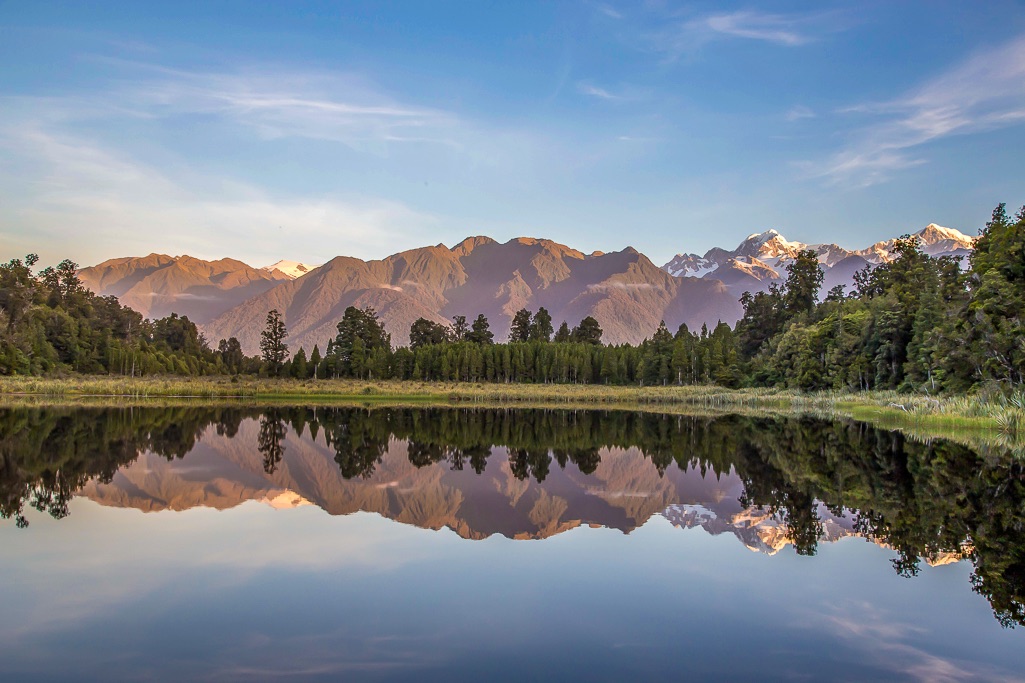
787 30
608 10
67 172
281 103
771 28
798 112
620 92
890 644
585 88
985 92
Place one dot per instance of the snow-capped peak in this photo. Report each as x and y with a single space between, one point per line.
769 244
933 233
290 269
762 236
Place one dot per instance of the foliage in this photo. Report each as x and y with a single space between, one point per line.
914 324
273 348
49 323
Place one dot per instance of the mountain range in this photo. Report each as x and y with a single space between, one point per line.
762 258
157 285
623 290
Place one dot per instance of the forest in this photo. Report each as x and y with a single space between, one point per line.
916 324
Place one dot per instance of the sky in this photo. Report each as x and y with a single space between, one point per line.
307 130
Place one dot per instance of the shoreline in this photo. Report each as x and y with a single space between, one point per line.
994 420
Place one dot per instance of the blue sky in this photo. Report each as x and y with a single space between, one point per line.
305 130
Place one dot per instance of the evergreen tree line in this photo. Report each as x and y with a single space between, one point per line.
535 353
915 323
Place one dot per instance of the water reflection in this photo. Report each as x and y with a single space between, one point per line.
537 473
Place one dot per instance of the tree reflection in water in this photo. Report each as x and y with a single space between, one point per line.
920 498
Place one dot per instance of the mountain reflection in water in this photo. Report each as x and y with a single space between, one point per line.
531 474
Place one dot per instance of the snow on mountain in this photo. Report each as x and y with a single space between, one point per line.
291 269
934 239
767 251
763 257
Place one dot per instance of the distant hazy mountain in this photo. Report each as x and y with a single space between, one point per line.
624 291
157 285
762 258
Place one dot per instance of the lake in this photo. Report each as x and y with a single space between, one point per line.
230 542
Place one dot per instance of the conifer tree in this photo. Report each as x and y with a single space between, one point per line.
520 329
541 326
481 332
273 348
460 328
588 331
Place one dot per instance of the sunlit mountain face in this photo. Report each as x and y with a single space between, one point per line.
535 474
762 258
624 291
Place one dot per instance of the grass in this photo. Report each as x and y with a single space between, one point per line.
1000 420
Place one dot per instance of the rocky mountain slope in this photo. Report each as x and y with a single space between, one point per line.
157 285
624 291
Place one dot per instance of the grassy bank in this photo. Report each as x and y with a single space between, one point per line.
942 416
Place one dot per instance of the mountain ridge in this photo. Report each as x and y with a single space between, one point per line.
624 290
761 258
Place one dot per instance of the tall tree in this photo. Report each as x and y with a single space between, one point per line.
273 348
360 332
423 332
231 355
541 326
315 360
17 288
520 329
994 321
804 277
588 331
481 333
460 328
299 368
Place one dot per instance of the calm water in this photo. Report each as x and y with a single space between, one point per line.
216 544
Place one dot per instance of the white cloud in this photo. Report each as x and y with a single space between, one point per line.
985 92
107 204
